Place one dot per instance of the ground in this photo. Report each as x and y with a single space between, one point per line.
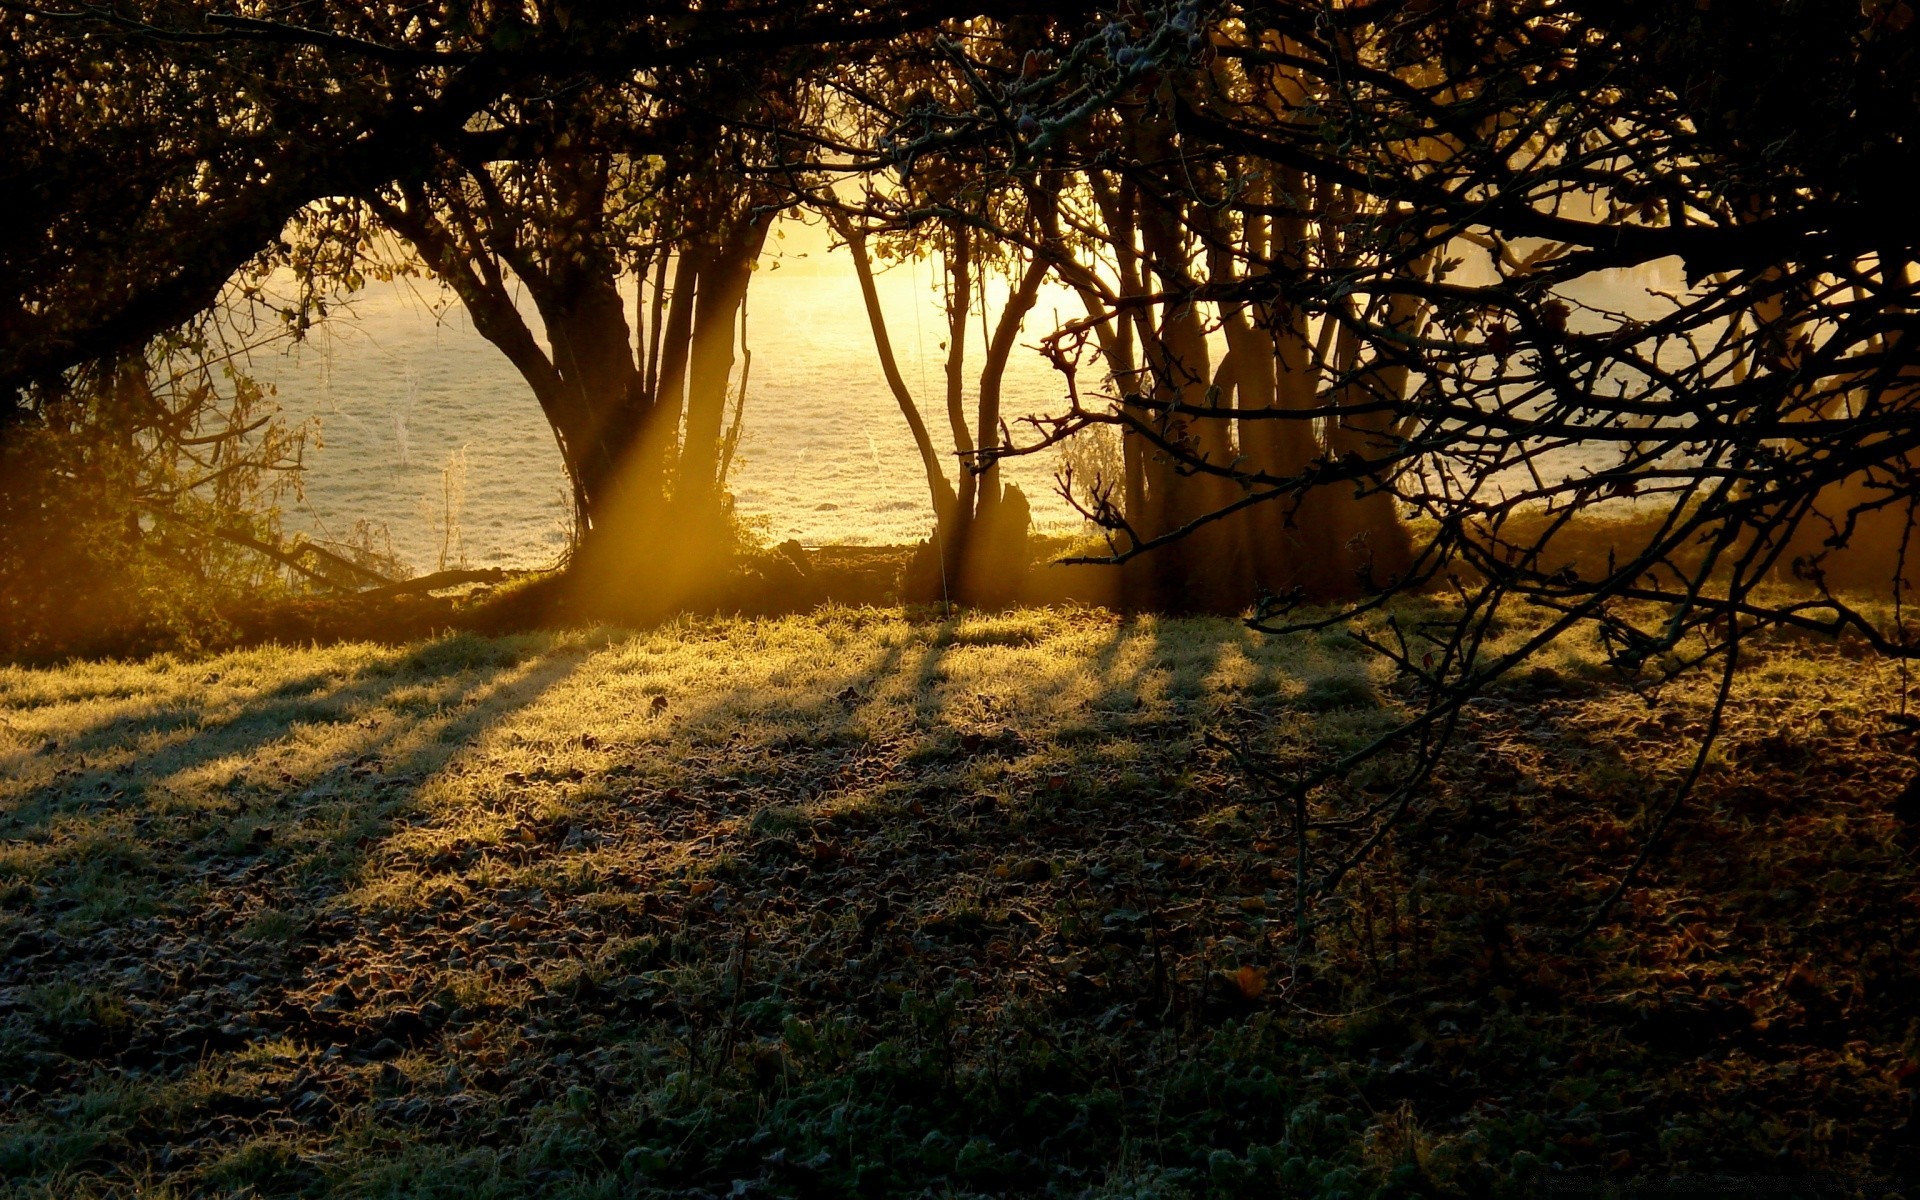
862 902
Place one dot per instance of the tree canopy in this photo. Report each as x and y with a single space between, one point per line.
158 148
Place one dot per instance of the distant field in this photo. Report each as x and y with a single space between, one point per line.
851 904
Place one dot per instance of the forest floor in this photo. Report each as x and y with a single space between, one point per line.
870 903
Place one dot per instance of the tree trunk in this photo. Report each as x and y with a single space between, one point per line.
938 486
603 406
953 538
993 553
1296 553
1378 546
1204 570
722 290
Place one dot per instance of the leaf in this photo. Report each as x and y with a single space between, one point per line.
1250 982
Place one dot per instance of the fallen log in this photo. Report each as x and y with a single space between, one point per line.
436 581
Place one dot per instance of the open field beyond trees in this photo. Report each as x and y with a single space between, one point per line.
857 903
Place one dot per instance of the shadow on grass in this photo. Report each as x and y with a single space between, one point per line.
208 849
853 904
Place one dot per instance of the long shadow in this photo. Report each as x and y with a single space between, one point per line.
663 927
116 727
156 896
256 722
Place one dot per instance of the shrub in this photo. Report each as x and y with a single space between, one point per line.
129 495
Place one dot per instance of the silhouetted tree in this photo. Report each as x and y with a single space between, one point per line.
1437 194
644 190
155 148
945 209
1150 226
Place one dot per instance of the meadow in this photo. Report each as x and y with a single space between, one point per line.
864 902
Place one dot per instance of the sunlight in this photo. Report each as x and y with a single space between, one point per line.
1168 600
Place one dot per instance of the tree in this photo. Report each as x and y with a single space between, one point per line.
156 148
1153 227
947 210
163 148
644 189
1434 191
126 145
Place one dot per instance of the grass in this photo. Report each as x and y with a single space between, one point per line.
858 904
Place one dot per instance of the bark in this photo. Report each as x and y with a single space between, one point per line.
604 407
722 290
1118 217
1379 548
939 570
992 539
671 392
938 486
1204 570
999 351
959 263
1273 342
650 368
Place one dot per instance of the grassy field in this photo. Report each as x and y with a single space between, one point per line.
856 904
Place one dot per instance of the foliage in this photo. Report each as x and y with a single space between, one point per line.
159 147
1044 903
127 498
